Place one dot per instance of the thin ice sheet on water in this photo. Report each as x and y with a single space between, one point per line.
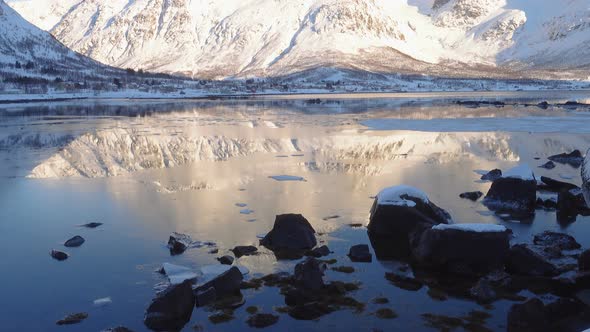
178 274
102 302
477 228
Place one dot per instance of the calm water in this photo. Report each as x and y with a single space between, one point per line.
146 169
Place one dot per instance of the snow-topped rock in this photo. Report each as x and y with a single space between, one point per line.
400 195
523 172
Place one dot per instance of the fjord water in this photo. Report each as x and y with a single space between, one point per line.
149 168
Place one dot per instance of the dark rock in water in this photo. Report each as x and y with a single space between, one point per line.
544 105
512 194
559 241
171 309
527 317
473 195
76 241
59 255
319 252
240 251
548 165
309 311
262 320
118 329
523 261
492 175
226 284
309 274
178 243
214 251
557 186
291 234
547 204
92 225
404 282
462 249
360 253
584 261
570 204
73 319
392 224
483 292
226 260
574 158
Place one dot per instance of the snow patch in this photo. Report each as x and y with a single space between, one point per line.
523 172
393 196
477 228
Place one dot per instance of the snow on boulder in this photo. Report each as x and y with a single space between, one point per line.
473 249
397 213
514 193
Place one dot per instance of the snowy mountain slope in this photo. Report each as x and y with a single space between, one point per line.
218 39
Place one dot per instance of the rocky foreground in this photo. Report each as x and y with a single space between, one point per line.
547 279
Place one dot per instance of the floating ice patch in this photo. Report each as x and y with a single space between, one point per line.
286 178
102 302
566 177
261 236
477 228
393 196
251 220
523 172
178 274
246 211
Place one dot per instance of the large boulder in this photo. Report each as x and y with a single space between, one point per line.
584 261
492 175
474 249
514 193
291 236
523 261
171 309
586 178
224 285
397 214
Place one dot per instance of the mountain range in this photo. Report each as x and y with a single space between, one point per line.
262 38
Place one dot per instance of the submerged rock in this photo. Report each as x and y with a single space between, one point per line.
290 236
463 248
262 320
59 255
527 317
574 158
523 261
473 195
72 319
178 243
310 274
396 215
515 193
360 253
404 282
76 241
171 309
492 175
240 251
558 241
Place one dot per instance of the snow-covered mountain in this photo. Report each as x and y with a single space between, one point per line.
209 38
23 42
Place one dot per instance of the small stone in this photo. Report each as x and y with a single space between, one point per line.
548 165
226 260
319 252
262 320
73 319
214 251
360 253
92 225
385 313
76 241
59 255
404 282
343 269
178 243
240 251
473 195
